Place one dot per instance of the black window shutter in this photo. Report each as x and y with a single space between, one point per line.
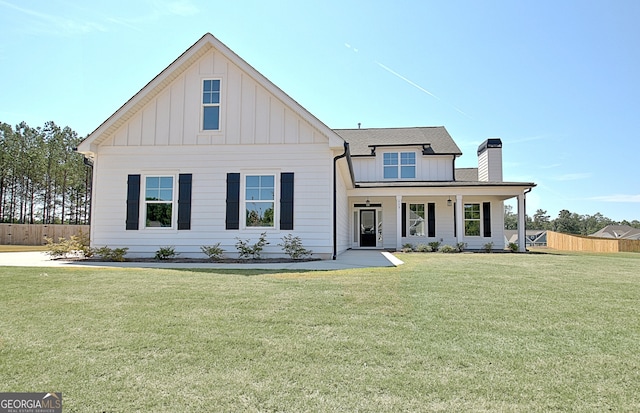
455 221
404 219
286 201
133 202
233 201
486 217
184 201
431 219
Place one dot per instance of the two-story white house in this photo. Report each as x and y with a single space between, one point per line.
211 151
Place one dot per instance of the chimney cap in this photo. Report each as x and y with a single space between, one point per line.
489 143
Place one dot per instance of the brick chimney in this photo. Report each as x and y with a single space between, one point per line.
490 160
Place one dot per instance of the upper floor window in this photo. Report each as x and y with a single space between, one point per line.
399 165
158 198
260 200
211 104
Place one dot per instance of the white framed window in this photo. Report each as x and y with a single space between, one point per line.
472 220
159 200
211 104
416 220
399 165
260 200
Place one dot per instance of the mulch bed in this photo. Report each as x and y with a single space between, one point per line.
208 261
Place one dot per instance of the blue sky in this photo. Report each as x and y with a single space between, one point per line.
557 81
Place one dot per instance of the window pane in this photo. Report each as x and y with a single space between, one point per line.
408 171
211 118
259 187
166 195
408 158
252 194
253 181
390 158
390 172
158 215
472 211
153 182
259 214
472 228
166 182
266 193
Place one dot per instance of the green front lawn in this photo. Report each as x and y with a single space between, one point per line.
444 332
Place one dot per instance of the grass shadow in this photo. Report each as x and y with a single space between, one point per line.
246 272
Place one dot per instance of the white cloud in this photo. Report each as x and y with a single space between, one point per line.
53 24
617 198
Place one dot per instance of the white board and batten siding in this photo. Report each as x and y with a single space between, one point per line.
258 134
428 168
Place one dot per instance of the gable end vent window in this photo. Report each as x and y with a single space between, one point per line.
211 104
399 165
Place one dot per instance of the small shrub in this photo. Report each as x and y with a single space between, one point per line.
292 246
247 251
488 247
513 247
214 252
448 249
108 254
166 253
407 247
461 246
423 248
434 245
75 245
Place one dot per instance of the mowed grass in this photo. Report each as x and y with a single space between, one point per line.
444 332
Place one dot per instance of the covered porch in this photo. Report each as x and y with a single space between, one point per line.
386 217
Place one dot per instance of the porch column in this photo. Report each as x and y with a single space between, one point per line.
398 222
459 219
522 242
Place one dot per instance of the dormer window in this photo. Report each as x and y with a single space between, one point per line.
211 104
399 165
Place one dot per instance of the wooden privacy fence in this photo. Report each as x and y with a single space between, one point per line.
34 234
566 242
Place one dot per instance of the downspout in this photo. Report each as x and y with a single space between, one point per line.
335 199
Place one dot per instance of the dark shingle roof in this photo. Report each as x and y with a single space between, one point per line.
439 139
466 174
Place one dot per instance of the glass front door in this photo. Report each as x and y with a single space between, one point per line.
368 228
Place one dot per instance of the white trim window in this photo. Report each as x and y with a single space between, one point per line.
416 220
211 104
159 199
399 165
259 201
472 220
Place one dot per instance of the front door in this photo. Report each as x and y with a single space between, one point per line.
368 228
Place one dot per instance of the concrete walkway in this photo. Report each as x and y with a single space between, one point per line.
346 260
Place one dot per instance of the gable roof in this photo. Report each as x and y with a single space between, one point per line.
618 232
177 68
436 139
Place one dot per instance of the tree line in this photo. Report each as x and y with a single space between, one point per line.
42 178
566 221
